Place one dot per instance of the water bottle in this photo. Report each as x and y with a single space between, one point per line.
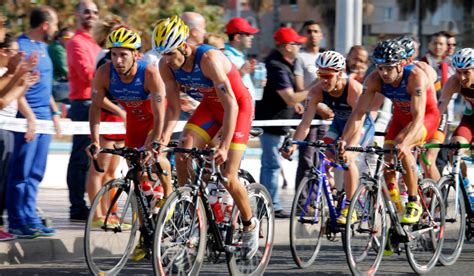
214 202
395 196
147 190
469 192
259 77
227 204
158 194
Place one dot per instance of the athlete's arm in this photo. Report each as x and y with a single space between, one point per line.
99 86
315 97
355 122
354 92
418 84
155 86
173 108
215 66
451 87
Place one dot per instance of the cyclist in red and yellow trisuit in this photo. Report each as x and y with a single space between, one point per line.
226 104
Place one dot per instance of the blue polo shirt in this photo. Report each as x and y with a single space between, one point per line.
238 59
39 94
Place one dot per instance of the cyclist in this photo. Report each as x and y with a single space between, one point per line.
339 93
138 87
431 170
226 103
415 117
461 82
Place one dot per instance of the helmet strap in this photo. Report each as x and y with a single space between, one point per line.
127 73
183 52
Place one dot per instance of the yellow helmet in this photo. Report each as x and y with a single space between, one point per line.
124 38
169 34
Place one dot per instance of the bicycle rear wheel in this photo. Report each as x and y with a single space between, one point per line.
179 243
455 222
262 209
427 235
365 239
307 221
109 242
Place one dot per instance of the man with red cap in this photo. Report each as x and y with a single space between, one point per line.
241 34
278 102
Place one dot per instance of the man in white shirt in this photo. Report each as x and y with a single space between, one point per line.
305 76
241 35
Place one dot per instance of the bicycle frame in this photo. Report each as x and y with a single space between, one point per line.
319 171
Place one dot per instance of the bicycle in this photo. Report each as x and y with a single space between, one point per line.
366 239
108 242
309 211
186 225
455 196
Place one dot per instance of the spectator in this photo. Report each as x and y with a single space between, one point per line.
305 73
215 40
197 27
278 102
436 56
82 51
451 43
8 51
357 62
57 52
110 112
30 151
241 34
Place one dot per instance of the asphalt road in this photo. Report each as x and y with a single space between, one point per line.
331 261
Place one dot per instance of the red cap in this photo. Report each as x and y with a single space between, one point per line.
288 35
240 25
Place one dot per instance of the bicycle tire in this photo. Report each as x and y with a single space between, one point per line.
455 223
95 247
262 209
173 223
423 252
302 221
245 177
366 258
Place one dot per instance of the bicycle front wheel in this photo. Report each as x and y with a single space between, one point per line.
308 217
455 222
366 237
111 228
179 243
262 209
427 237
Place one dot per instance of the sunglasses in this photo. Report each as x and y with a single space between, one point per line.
89 11
295 43
326 76
451 44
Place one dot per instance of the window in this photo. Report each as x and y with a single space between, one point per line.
388 14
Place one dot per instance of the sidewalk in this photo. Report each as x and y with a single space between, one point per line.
67 244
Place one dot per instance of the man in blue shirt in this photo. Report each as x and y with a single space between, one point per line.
241 35
31 150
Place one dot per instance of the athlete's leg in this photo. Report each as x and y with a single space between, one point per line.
235 187
189 139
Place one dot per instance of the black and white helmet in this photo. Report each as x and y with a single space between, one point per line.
388 51
464 59
331 60
409 45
